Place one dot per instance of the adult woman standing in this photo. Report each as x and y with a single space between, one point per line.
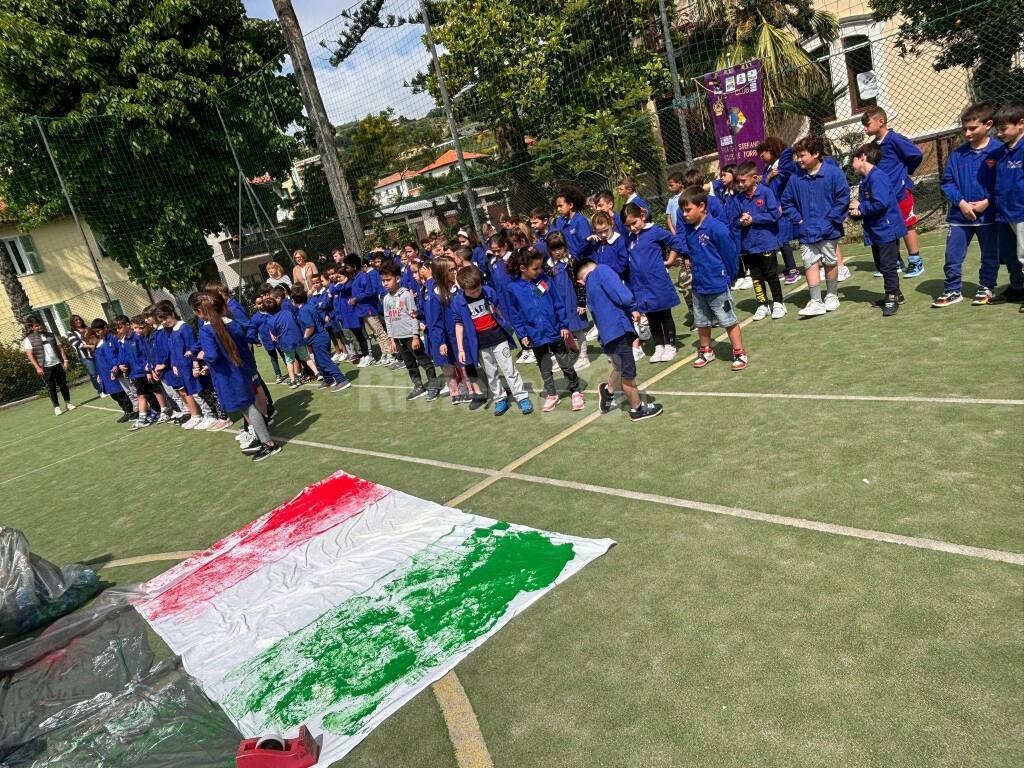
276 275
82 342
304 270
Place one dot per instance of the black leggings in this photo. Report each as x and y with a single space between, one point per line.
122 400
663 326
55 377
764 270
556 349
415 359
364 343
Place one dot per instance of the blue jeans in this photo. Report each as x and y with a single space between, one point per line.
90 368
957 242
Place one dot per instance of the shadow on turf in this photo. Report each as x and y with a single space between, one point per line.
294 411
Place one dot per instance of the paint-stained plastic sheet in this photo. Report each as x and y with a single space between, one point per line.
87 694
34 591
335 609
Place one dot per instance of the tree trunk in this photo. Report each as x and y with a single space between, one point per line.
522 191
21 307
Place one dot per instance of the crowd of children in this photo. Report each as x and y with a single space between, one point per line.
452 313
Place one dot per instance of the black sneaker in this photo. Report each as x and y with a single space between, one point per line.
324 384
476 402
900 298
890 305
125 417
460 399
432 394
606 398
266 451
417 392
645 411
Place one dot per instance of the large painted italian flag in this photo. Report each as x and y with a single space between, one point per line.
336 608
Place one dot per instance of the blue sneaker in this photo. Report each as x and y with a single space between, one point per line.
525 406
501 407
914 268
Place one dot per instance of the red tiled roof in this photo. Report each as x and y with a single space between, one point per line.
449 158
406 174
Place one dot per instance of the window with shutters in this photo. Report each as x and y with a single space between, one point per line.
56 318
22 254
860 73
112 309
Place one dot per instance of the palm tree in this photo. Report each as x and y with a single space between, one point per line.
816 101
21 307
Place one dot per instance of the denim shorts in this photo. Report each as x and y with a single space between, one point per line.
709 308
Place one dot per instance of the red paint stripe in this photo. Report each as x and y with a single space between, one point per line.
187 586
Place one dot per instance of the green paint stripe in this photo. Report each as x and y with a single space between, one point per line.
343 665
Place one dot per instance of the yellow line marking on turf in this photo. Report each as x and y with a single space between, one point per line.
154 558
463 727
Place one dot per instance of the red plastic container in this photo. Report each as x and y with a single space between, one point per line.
300 752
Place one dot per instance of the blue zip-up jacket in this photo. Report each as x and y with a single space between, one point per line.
611 303
565 285
283 325
261 324
714 258
233 383
423 291
970 175
817 205
715 209
620 226
611 253
649 280
366 290
463 317
322 302
536 310
786 168
900 158
1009 189
135 355
762 236
310 317
237 311
575 231
500 279
163 341
479 258
106 361
440 319
183 339
407 279
344 312
879 209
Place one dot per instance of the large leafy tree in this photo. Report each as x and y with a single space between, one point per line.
140 142
986 39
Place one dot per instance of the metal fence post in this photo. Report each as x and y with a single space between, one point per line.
677 92
452 126
74 213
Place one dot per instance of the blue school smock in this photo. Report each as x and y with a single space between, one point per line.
536 311
649 280
184 340
106 361
258 333
540 245
970 175
879 209
322 302
816 205
500 279
440 319
233 383
1009 187
575 230
162 343
284 326
565 285
366 290
423 290
135 355
612 253
635 199
761 236
715 209
479 258
620 226
460 309
237 311
344 312
310 317
713 255
407 279
786 168
900 158
611 303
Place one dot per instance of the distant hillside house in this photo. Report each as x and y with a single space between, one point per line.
401 185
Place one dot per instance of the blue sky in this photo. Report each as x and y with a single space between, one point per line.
373 78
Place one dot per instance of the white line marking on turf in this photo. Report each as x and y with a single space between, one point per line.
71 420
61 461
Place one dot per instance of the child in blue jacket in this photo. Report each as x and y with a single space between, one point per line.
883 223
571 222
815 204
285 333
899 159
135 364
366 291
968 184
565 284
258 328
779 168
652 250
757 215
614 311
604 201
439 312
540 320
1009 193
347 318
314 336
606 246
106 368
713 257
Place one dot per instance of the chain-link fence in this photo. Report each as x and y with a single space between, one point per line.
541 93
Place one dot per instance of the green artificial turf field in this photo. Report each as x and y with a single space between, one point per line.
707 636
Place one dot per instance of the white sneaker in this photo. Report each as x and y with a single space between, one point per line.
205 423
592 334
163 418
638 354
844 273
191 422
527 357
668 353
581 362
57 411
813 309
831 302
745 283
762 312
778 310
656 354
365 361
444 391
71 406
242 435
102 395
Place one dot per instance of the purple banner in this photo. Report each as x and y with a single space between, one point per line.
737 109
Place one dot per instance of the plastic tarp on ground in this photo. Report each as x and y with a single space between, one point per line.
335 609
87 694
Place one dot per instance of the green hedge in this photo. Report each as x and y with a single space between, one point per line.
17 377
